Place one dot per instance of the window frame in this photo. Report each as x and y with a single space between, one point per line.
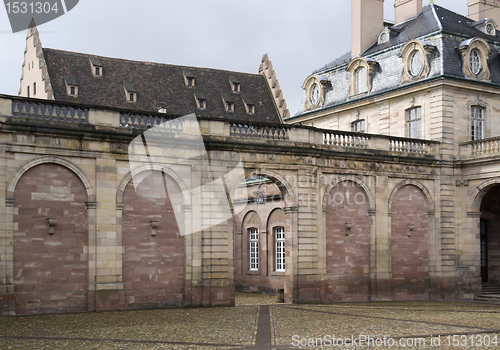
279 243
355 124
360 79
253 242
480 49
477 122
416 122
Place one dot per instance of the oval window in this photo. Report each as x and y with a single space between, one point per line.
416 63
314 94
475 61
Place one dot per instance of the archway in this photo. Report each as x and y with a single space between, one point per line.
489 227
260 205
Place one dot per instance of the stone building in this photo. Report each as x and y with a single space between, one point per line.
384 185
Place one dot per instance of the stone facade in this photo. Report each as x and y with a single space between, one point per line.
365 217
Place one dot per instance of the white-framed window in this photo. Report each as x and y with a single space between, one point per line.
477 123
358 125
360 80
414 123
279 238
254 249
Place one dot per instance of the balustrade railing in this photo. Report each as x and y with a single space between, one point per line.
408 146
37 110
269 132
41 110
484 147
342 139
145 122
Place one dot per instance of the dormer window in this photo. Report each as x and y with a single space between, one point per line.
360 70
383 36
486 25
235 84
475 54
201 100
130 92
315 86
230 106
162 107
71 86
415 56
251 109
189 78
96 66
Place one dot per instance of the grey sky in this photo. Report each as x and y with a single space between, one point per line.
298 36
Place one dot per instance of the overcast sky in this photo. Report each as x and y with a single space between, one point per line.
298 36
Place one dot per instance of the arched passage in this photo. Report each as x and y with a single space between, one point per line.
262 197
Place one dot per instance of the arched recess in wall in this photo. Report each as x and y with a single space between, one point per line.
50 159
49 210
151 226
347 206
250 256
410 206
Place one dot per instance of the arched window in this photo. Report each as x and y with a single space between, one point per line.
254 249
279 244
360 77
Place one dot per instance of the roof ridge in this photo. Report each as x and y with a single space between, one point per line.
148 62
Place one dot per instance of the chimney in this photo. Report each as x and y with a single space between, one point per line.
481 9
406 9
367 20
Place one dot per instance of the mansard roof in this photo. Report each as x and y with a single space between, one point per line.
435 25
157 85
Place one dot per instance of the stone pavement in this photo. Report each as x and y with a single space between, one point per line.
258 322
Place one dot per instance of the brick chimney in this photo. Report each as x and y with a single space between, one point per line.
367 20
481 9
406 9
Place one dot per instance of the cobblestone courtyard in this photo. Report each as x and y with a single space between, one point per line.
258 322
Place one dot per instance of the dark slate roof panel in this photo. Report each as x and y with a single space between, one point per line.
157 83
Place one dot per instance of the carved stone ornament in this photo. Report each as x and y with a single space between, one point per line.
51 225
475 53
314 86
154 225
415 55
348 228
409 229
356 63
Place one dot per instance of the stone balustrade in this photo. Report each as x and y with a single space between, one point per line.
44 110
481 148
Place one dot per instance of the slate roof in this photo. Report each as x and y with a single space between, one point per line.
443 28
158 84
